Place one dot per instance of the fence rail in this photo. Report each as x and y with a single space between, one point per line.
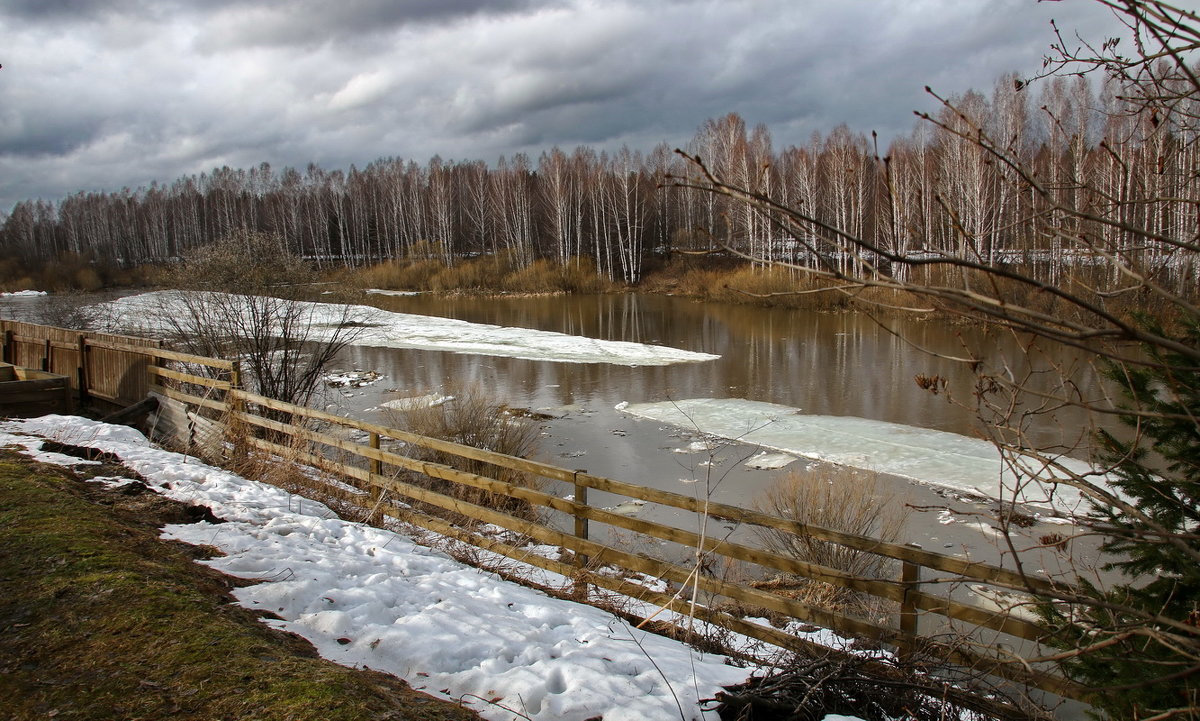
227 417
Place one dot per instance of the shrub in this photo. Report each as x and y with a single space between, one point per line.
840 499
473 419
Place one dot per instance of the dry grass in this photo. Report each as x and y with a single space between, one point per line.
495 274
771 286
473 419
841 499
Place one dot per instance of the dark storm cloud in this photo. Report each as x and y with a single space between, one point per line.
44 10
308 22
97 95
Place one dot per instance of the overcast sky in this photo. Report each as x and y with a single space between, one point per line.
99 95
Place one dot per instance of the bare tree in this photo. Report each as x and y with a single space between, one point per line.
242 298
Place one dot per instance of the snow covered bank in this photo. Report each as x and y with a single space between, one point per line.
384 329
935 457
369 597
24 294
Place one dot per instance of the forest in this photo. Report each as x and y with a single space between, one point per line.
932 193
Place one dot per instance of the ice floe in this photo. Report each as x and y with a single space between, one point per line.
384 329
928 456
412 403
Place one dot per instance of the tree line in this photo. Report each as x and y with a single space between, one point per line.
932 193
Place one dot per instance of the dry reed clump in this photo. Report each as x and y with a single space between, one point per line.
491 273
579 275
776 286
473 419
396 275
840 499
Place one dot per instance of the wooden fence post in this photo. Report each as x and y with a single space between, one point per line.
83 371
910 578
234 407
46 356
376 466
581 532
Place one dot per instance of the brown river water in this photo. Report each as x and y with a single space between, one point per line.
841 364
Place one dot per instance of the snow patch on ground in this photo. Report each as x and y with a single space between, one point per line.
23 294
369 597
383 329
928 456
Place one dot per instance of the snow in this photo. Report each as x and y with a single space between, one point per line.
935 457
370 597
384 329
23 294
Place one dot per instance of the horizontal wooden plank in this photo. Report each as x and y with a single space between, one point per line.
56 344
102 395
22 397
216 383
182 397
163 353
55 383
970 569
661 569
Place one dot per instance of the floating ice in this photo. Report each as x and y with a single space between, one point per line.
769 461
383 329
401 293
350 379
412 403
929 456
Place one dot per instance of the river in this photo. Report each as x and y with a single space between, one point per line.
836 364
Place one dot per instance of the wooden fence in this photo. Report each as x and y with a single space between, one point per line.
212 412
100 366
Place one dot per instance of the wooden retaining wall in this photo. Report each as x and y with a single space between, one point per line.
97 365
25 393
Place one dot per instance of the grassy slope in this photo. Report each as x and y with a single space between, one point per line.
100 619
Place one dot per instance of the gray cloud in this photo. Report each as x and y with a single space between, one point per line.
104 95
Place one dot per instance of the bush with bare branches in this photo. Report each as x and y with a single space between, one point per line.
842 499
471 418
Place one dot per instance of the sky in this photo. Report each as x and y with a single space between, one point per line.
96 96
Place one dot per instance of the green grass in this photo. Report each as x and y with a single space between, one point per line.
100 619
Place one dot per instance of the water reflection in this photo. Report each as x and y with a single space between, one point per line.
824 363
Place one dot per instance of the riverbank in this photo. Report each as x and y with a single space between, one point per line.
101 619
718 278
